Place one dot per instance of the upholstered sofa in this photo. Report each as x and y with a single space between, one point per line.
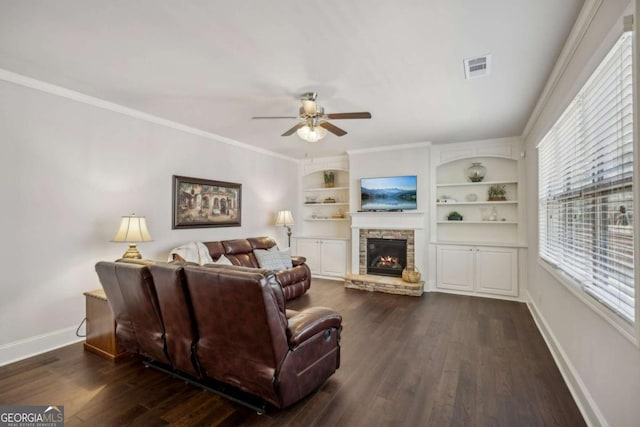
220 326
295 280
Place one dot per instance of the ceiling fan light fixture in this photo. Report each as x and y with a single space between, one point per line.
311 134
309 107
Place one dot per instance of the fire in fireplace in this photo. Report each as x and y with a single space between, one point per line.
386 257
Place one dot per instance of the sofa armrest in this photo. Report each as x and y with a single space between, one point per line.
309 322
298 260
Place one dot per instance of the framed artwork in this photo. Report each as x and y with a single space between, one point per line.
200 203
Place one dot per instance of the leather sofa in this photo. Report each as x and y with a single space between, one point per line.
226 325
295 281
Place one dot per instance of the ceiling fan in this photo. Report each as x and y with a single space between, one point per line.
314 122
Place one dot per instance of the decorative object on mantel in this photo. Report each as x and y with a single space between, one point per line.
472 197
454 216
329 179
285 218
497 193
411 276
132 229
476 172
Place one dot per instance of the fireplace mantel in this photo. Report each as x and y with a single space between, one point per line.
408 220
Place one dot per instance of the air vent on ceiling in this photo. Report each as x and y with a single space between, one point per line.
477 67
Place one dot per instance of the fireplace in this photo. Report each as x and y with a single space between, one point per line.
406 226
386 257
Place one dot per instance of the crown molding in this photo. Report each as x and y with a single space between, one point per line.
390 148
52 89
580 27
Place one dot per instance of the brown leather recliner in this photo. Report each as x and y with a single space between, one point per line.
131 293
251 344
223 323
295 281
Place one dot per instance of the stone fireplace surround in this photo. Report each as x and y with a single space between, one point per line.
387 225
385 234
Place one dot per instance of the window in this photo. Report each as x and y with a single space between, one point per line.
585 174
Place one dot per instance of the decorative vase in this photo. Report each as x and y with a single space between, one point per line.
476 172
411 276
494 215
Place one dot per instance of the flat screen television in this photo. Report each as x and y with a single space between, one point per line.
392 193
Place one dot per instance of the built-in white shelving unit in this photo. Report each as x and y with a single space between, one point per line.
478 254
324 227
454 192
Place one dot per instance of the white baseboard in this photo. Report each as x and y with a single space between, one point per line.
18 350
586 404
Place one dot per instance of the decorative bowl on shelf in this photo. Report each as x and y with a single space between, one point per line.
310 199
329 200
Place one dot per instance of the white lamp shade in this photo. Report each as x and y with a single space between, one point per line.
133 229
311 134
284 218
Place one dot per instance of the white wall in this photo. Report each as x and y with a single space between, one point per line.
69 170
601 365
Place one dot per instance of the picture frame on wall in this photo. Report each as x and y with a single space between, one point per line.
202 203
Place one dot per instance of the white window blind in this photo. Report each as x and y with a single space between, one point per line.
585 174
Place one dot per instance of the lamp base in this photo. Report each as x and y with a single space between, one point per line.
132 252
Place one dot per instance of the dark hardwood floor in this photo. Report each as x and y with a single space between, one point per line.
437 360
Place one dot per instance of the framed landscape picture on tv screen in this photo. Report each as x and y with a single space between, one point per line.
393 193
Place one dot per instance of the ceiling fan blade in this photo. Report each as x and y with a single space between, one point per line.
360 115
333 128
293 129
276 117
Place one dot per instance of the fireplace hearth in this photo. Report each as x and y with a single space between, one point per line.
386 257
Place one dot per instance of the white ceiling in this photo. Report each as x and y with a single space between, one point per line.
214 64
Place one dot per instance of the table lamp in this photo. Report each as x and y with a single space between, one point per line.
132 229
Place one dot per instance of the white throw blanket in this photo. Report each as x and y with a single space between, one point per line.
192 252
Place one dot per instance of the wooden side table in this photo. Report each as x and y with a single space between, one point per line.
101 328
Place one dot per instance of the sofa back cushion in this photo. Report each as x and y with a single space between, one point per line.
124 326
176 309
215 249
240 251
241 326
261 242
135 305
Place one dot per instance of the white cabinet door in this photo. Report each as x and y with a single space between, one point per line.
333 254
497 270
310 249
478 269
455 268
